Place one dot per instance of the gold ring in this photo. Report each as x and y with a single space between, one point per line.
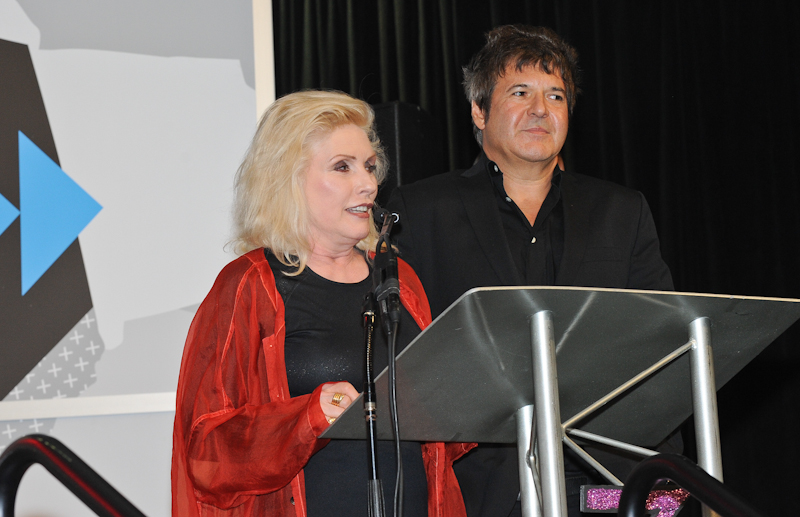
330 419
337 399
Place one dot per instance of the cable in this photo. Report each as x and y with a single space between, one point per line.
398 487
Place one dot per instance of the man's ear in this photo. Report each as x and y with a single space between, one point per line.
478 117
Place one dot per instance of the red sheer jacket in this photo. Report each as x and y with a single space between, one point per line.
240 441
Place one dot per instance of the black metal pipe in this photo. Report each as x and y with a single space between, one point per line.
707 489
65 466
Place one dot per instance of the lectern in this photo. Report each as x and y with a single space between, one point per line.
544 365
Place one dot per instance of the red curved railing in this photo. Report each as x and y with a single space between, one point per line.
65 466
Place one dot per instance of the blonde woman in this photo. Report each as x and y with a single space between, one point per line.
276 348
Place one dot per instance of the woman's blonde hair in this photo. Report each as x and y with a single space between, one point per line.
270 206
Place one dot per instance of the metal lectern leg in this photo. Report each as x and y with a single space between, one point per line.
549 432
704 399
529 496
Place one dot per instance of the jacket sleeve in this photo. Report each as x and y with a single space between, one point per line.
239 432
647 269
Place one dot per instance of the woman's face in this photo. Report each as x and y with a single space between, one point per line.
340 187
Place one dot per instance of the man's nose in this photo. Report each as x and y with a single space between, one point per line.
537 106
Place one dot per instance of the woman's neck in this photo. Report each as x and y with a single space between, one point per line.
345 267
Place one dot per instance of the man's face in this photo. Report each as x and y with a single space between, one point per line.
528 120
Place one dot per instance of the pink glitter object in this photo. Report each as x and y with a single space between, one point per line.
602 499
668 502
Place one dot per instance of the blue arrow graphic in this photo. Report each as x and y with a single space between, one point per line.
8 213
53 211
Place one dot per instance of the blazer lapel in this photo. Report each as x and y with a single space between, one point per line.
480 204
578 204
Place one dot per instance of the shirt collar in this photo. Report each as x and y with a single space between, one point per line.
496 174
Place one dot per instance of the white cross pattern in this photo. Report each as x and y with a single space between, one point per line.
76 337
81 363
9 431
54 370
88 321
58 375
43 386
65 354
92 347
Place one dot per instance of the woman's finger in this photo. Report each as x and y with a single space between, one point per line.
335 398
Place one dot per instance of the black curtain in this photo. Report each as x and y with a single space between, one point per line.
696 104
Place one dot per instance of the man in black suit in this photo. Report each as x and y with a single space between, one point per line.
516 217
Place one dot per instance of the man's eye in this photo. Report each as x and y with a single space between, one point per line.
518 94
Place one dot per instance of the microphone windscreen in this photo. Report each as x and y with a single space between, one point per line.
379 215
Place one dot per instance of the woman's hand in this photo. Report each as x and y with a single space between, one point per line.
335 397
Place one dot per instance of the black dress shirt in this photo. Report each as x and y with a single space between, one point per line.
536 249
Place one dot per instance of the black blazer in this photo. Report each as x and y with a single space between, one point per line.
451 233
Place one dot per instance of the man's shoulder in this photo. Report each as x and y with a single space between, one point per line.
432 184
448 185
574 183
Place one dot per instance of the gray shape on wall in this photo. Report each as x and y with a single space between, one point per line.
148 359
200 28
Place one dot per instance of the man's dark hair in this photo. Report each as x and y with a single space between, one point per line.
520 46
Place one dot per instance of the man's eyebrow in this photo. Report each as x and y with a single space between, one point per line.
526 85
518 85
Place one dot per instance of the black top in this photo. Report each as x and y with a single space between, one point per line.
536 249
325 343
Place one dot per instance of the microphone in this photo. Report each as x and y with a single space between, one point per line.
380 218
385 280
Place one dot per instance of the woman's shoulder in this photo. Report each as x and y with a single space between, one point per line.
250 267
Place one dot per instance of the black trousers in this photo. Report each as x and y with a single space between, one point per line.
573 489
489 480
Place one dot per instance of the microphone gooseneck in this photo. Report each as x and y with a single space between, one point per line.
374 486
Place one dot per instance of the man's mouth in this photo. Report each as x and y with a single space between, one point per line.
537 129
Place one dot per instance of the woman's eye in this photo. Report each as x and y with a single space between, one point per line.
372 167
341 166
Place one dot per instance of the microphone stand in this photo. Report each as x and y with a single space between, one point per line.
386 293
375 488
